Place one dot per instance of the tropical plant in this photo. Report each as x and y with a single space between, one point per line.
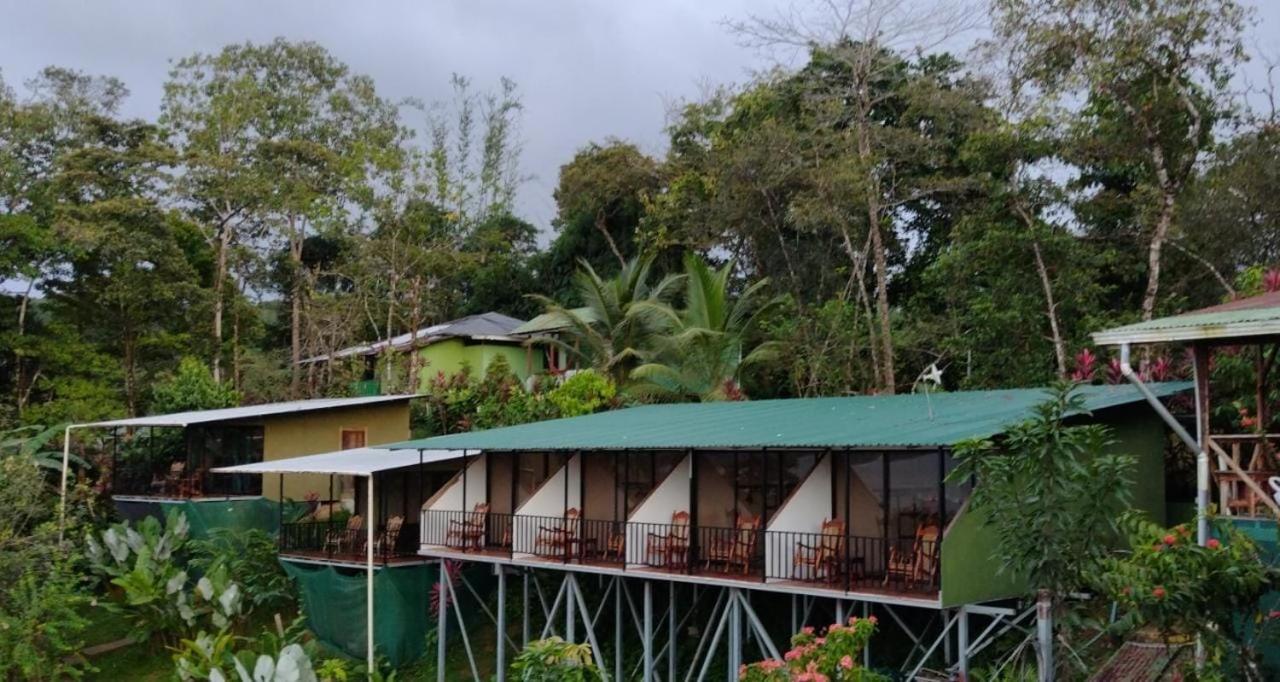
834 656
157 596
583 393
191 387
250 558
272 657
42 626
555 660
707 346
31 442
622 316
1166 581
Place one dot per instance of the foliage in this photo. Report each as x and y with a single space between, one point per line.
708 346
835 656
553 659
191 387
1166 581
271 657
41 625
1049 493
158 598
250 559
28 442
583 393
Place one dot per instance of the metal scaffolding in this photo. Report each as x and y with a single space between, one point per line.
655 620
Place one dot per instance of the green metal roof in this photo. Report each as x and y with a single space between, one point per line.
552 321
1247 317
897 421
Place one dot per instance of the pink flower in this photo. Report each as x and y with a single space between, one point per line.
807 630
1274 614
872 620
1170 539
847 662
1158 592
1213 543
770 664
742 671
792 655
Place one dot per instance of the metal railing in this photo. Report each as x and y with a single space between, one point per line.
161 479
835 561
334 541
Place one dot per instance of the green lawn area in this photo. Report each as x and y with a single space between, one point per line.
133 662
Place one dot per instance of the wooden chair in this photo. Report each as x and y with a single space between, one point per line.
559 540
671 549
821 559
346 537
168 483
738 549
917 566
191 486
616 548
390 535
470 529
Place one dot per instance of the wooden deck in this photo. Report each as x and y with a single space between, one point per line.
752 581
350 559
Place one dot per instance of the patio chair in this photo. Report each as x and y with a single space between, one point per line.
346 537
167 483
559 540
616 548
191 486
738 549
470 529
386 541
918 566
670 549
822 558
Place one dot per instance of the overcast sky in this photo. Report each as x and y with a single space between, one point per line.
586 70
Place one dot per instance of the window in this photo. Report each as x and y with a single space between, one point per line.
353 438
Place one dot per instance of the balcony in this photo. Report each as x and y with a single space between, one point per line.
1255 456
834 561
175 480
347 543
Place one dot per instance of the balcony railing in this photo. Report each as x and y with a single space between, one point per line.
337 542
177 480
840 562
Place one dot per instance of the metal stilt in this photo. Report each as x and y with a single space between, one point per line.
697 653
962 641
840 611
524 612
570 614
671 632
946 643
442 622
502 624
462 626
617 628
866 650
758 627
715 639
647 635
795 614
735 633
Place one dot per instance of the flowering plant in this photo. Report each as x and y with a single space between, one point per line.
831 657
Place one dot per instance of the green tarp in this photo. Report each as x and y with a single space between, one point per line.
333 600
237 513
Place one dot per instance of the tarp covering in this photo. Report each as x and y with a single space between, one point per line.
1263 534
333 600
237 513
351 462
911 420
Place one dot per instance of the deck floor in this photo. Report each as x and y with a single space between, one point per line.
350 558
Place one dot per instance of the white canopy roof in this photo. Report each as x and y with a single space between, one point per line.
249 411
353 462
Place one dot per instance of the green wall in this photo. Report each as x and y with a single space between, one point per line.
450 355
971 575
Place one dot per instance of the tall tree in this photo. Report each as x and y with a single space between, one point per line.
313 129
1142 84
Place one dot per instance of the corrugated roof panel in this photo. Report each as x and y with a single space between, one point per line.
1247 317
353 462
861 421
249 411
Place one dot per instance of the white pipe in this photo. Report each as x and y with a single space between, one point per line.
1202 457
62 495
368 550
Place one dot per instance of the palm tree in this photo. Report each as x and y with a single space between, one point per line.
619 318
706 350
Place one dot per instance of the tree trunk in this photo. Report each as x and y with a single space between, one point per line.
295 308
1059 347
22 392
888 381
412 383
602 225
1158 237
219 277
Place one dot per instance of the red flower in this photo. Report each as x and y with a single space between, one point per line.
847 662
1213 543
1170 539
1158 592
1274 614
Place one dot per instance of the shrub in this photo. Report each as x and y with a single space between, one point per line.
583 393
835 656
41 625
555 660
251 561
271 657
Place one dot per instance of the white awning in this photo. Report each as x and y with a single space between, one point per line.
248 411
353 462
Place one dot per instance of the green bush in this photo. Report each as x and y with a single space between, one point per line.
251 561
41 625
555 660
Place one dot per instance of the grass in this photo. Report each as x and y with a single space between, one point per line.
141 662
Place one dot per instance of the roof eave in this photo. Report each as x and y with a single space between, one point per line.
1116 337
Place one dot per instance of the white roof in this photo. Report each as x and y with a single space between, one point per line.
353 462
250 411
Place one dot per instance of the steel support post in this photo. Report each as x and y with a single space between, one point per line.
671 632
442 621
866 650
617 628
962 642
840 611
524 611
570 613
579 602
502 624
795 615
946 643
1044 635
648 631
735 633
